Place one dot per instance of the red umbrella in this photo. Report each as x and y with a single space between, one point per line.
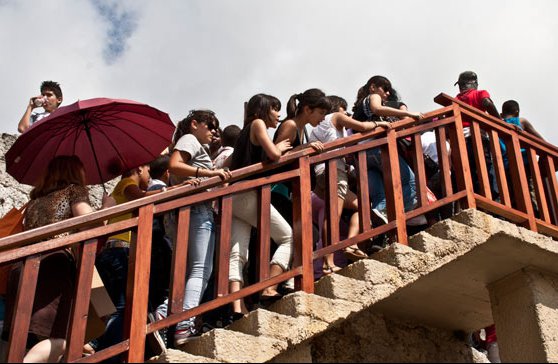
110 136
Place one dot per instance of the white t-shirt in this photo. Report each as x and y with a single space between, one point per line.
326 132
198 155
36 116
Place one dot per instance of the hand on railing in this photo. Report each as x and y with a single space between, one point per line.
284 145
223 173
383 124
416 115
317 146
107 201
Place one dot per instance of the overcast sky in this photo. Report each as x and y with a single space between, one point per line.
179 55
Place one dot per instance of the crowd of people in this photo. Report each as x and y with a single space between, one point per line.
200 149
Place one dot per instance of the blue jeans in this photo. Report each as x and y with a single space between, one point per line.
376 181
201 249
112 265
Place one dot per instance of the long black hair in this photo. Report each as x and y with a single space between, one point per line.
259 106
378 81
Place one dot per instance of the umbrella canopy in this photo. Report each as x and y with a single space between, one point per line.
110 136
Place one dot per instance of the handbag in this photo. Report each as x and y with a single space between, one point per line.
11 223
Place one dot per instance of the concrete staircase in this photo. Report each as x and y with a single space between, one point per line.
407 303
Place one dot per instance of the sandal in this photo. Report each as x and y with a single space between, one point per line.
354 253
328 269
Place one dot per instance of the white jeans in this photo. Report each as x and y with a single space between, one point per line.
245 214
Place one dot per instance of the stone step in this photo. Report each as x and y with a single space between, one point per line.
235 347
281 327
317 307
178 356
336 286
411 263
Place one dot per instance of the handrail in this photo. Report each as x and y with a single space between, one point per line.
457 185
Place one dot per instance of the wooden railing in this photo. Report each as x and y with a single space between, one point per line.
457 189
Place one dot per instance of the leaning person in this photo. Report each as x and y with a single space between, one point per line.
59 195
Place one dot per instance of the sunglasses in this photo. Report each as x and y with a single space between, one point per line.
211 126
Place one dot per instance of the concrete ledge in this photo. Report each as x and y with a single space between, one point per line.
235 347
454 295
266 323
325 309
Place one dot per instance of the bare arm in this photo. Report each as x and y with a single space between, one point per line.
528 127
258 135
490 107
381 110
340 120
25 121
178 165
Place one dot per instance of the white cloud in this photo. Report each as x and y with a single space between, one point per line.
180 55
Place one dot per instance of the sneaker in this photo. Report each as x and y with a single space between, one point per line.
417 221
378 218
155 340
182 336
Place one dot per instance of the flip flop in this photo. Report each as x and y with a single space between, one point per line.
328 269
354 254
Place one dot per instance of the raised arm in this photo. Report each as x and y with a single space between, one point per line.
25 121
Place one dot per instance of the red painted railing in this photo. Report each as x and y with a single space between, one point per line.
28 247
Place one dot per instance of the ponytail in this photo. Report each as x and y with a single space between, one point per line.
378 81
313 98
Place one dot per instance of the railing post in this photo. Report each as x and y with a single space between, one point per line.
264 246
392 186
538 185
363 193
23 309
521 186
178 265
302 225
224 247
461 161
138 286
80 309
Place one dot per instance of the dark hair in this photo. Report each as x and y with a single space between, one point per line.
337 102
230 135
259 106
378 81
52 86
313 98
159 166
61 172
510 107
185 125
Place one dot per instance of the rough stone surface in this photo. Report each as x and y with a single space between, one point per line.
339 287
526 313
234 347
266 323
302 304
177 356
368 337
298 354
410 262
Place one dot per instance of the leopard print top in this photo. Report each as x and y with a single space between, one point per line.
54 207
